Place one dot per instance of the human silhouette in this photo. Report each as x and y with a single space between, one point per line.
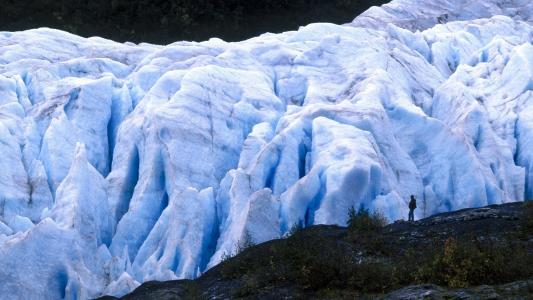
412 207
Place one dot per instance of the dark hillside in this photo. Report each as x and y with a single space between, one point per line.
166 21
483 253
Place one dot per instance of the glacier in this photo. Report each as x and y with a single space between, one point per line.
123 163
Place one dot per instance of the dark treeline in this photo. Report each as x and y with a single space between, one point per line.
165 21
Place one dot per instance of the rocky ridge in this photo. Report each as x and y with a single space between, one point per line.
499 224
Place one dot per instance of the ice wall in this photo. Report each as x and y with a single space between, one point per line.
124 163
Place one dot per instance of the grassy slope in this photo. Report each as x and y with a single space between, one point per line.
457 251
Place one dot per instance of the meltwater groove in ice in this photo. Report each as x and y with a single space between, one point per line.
124 163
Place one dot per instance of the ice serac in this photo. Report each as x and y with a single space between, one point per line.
54 261
81 201
124 163
176 246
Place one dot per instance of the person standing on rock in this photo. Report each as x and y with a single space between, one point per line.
412 207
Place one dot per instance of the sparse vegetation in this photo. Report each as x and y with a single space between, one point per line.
460 264
364 221
192 291
295 228
246 242
226 256
363 261
367 259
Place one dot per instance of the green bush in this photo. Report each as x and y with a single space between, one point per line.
316 263
313 262
372 277
366 259
364 221
461 264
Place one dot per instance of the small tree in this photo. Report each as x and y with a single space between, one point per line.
364 221
245 242
296 227
226 256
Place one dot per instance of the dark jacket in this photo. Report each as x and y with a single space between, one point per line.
412 203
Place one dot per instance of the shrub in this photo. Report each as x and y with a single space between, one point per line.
368 260
462 264
246 242
295 228
372 277
455 265
317 263
230 268
226 256
313 262
364 221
